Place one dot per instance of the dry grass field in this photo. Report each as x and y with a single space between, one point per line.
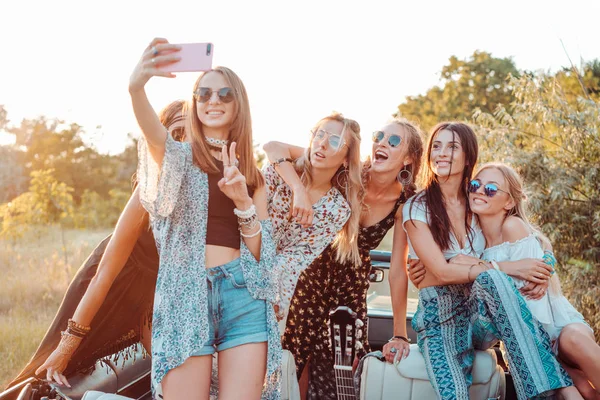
34 274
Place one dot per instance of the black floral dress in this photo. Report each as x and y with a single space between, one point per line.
322 287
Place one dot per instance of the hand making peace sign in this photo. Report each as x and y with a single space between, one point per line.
233 183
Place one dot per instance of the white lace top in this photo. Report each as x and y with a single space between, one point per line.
553 311
176 197
297 247
415 209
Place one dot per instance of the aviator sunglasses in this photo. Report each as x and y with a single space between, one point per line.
393 140
490 189
203 94
335 141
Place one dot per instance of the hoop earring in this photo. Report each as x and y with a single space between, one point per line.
405 177
337 180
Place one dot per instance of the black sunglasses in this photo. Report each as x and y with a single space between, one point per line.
335 141
490 189
393 140
203 94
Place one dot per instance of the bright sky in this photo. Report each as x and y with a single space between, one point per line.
299 60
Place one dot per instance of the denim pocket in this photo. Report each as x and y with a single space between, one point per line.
237 278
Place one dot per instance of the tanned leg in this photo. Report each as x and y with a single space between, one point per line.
577 347
304 381
190 381
242 371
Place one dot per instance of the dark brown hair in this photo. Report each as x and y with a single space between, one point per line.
431 195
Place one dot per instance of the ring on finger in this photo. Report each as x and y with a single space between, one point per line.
393 350
154 51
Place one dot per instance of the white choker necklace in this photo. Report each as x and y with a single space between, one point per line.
216 142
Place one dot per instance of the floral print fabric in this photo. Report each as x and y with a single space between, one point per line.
176 197
297 247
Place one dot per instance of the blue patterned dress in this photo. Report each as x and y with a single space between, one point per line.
176 197
453 320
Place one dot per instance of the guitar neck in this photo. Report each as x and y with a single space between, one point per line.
343 340
344 382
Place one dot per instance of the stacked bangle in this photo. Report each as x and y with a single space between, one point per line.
249 220
251 235
75 329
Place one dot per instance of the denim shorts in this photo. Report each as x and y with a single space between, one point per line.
234 316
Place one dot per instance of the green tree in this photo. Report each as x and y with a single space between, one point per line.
481 81
552 138
13 179
50 144
16 216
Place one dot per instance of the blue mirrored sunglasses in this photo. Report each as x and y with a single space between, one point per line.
393 140
490 189
335 141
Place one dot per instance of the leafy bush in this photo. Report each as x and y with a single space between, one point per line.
552 138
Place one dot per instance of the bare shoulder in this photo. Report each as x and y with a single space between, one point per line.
514 228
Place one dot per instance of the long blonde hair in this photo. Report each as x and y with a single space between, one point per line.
517 192
348 181
239 132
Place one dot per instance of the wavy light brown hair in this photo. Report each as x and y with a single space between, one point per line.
348 181
239 132
440 224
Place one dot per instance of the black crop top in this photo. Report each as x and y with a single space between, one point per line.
223 228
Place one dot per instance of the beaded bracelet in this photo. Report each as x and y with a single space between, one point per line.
250 225
77 329
245 213
71 331
243 221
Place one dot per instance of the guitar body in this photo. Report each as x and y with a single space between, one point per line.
343 327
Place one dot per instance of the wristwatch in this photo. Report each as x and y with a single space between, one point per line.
282 160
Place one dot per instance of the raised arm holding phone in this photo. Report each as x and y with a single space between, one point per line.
208 211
